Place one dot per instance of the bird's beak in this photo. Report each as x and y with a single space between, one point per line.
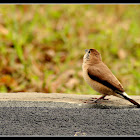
86 50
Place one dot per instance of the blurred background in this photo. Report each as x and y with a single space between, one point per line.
42 46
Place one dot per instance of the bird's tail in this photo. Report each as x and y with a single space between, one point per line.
125 96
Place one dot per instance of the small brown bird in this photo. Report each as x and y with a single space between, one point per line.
100 78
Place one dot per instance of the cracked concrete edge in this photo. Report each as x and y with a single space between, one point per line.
63 100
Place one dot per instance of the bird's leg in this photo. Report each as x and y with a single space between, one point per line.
102 97
97 99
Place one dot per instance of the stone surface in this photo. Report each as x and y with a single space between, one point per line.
56 114
46 121
70 100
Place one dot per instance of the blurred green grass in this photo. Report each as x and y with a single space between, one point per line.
42 46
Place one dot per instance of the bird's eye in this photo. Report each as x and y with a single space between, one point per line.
89 52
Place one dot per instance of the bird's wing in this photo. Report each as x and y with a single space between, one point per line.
102 74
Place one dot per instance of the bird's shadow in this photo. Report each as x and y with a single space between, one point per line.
104 104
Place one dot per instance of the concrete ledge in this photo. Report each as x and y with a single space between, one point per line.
57 114
31 99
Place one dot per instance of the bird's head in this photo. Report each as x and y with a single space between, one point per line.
92 56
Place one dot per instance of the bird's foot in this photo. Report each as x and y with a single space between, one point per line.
92 101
